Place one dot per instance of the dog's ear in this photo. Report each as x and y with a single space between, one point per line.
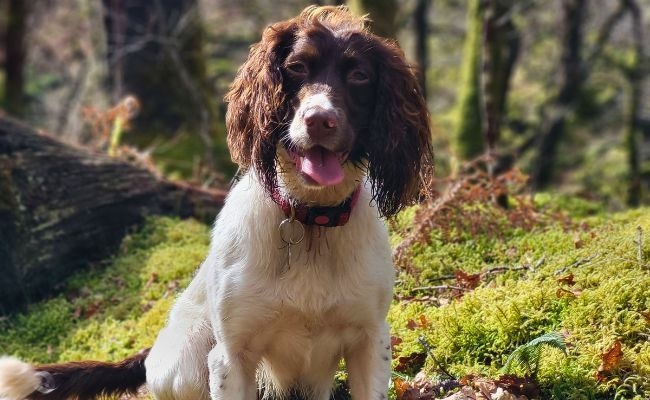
400 159
256 101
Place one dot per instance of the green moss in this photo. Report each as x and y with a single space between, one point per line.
112 312
476 333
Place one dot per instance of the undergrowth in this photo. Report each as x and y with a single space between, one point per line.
476 281
109 313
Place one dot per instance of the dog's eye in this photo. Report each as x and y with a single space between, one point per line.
298 68
358 77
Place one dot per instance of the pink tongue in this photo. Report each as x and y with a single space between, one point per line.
321 165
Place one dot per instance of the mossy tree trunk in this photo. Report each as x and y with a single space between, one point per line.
156 52
467 137
62 208
500 50
383 14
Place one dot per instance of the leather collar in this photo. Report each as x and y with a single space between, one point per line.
328 216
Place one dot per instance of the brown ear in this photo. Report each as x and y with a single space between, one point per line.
400 159
256 102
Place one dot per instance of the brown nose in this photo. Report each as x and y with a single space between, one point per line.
319 121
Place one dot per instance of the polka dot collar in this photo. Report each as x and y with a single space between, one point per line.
317 215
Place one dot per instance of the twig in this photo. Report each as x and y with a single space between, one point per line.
576 264
442 287
427 347
443 278
505 268
494 270
639 245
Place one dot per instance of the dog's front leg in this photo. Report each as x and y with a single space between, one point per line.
368 364
230 376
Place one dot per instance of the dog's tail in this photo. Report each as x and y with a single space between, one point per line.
81 380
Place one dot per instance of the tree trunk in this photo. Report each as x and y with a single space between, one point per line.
573 75
383 14
15 54
156 53
635 77
62 208
500 50
467 140
421 27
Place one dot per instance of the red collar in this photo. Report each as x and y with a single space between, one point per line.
318 215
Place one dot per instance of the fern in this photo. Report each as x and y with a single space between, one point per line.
527 356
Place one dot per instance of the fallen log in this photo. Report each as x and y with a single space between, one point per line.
63 208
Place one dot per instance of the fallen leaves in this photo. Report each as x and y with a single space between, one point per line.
412 362
422 388
567 280
467 281
506 387
610 361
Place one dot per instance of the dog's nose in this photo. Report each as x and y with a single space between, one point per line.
319 121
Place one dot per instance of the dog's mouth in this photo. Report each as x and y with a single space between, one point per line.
320 166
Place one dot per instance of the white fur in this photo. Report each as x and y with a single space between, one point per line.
17 379
255 317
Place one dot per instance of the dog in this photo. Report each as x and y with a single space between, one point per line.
329 125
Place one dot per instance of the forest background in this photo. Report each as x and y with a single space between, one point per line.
541 129
560 89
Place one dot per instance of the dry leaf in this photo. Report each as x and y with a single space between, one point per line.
564 293
411 324
404 390
423 321
465 393
467 281
567 280
645 315
519 386
395 341
412 362
610 360
578 242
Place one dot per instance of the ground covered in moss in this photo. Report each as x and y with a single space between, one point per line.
472 294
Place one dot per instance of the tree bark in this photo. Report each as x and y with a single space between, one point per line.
62 208
156 53
633 135
501 42
421 28
15 55
467 138
383 14
573 75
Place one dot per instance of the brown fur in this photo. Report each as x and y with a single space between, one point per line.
90 379
394 146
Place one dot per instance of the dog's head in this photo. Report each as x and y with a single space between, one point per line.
320 102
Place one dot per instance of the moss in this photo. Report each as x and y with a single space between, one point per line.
112 312
476 333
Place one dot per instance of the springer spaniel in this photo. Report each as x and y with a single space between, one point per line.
328 122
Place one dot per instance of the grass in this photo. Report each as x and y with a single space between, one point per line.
117 309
